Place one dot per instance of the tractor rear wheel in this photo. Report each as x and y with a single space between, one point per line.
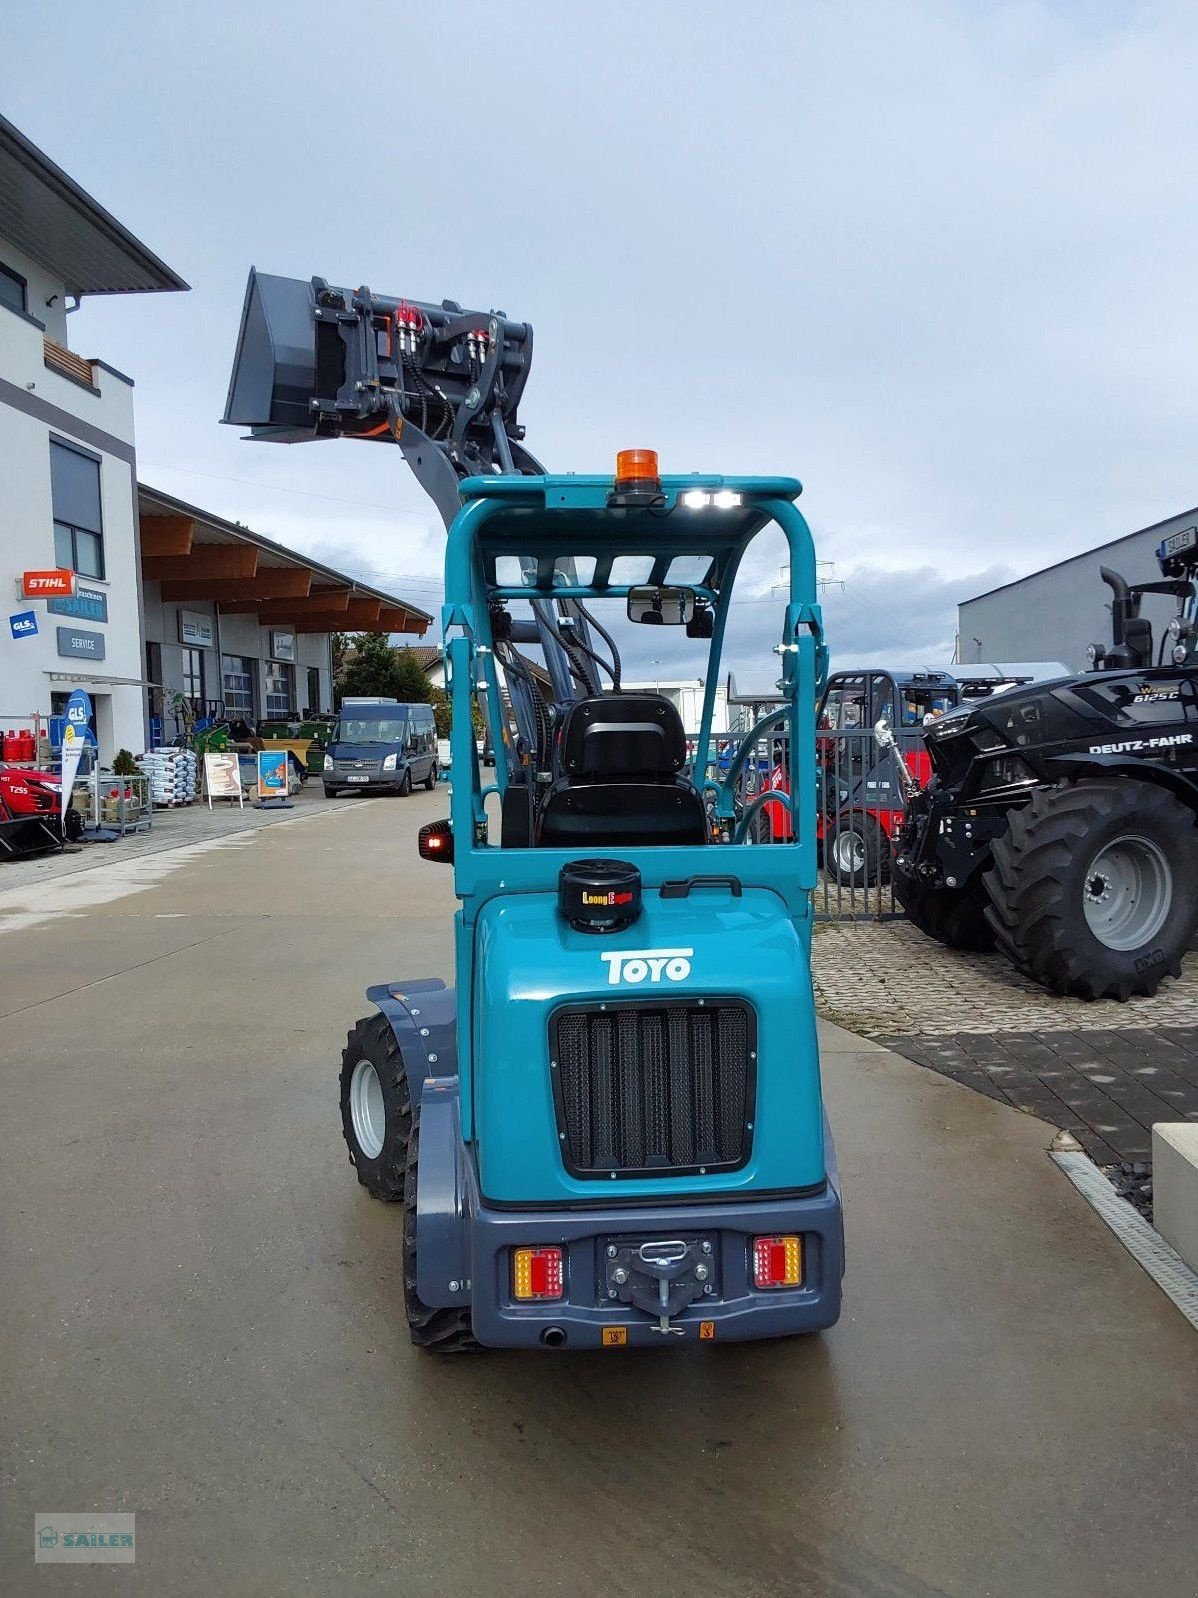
857 852
1094 887
955 917
441 1331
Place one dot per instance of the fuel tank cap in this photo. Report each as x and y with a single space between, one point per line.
599 895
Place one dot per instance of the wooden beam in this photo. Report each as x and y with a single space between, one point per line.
205 560
166 535
243 593
360 615
281 609
401 621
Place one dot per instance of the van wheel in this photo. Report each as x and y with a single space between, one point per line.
405 786
430 781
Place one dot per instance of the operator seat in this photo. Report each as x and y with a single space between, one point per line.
620 756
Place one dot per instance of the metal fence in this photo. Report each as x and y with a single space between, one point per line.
860 816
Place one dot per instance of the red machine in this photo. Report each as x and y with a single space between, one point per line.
30 808
861 801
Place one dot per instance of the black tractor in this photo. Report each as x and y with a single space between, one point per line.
1059 823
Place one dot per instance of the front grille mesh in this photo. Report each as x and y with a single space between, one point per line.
654 1089
363 767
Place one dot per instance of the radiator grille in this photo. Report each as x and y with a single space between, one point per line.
654 1089
362 767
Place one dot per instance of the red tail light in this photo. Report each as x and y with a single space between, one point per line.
537 1274
777 1261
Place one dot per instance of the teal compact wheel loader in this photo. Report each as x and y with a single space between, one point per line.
610 1131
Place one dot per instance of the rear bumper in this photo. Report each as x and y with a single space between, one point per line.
586 1319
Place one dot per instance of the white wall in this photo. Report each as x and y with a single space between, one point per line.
29 666
40 286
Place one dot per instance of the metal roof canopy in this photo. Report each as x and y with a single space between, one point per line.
47 215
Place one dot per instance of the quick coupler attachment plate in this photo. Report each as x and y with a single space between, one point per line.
660 1275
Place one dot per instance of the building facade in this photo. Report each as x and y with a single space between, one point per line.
175 614
67 447
1066 607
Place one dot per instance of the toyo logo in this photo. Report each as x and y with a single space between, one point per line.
640 965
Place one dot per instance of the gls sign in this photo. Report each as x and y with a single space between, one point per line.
638 965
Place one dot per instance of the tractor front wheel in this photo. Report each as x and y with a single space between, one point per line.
376 1108
1094 887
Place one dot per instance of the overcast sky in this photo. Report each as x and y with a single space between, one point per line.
931 258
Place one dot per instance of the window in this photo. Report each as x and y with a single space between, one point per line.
238 675
78 524
280 688
12 289
314 689
193 677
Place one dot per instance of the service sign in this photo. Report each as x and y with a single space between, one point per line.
57 584
23 624
196 630
76 644
282 645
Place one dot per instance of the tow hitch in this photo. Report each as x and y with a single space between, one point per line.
661 1275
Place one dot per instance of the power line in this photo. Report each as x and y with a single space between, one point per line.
278 488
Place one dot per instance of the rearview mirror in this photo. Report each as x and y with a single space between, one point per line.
661 607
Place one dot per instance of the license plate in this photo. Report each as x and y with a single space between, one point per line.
357 779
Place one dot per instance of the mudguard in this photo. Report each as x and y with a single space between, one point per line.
423 1016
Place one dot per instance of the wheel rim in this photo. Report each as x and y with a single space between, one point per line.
1128 893
367 1110
848 852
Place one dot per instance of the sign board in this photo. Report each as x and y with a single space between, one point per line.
23 624
58 583
87 604
74 643
272 773
282 645
222 776
75 736
195 630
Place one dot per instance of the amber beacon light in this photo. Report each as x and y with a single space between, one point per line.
638 479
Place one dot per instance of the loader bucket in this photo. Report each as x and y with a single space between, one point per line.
274 369
26 837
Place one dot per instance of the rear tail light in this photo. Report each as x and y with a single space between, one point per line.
777 1261
537 1274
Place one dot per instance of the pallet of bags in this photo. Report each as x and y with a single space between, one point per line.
172 775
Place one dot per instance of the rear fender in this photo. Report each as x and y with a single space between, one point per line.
423 1016
1095 764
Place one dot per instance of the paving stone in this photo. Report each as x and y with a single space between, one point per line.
1103 1071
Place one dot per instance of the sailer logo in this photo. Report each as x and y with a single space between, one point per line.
637 965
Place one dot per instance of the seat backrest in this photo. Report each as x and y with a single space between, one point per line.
622 738
620 755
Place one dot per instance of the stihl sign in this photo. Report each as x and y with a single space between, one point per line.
58 584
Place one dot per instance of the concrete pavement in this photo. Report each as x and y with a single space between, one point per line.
201 1318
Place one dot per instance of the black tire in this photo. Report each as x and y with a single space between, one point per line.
430 782
331 793
857 852
405 783
440 1331
760 829
955 917
381 1171
1050 876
